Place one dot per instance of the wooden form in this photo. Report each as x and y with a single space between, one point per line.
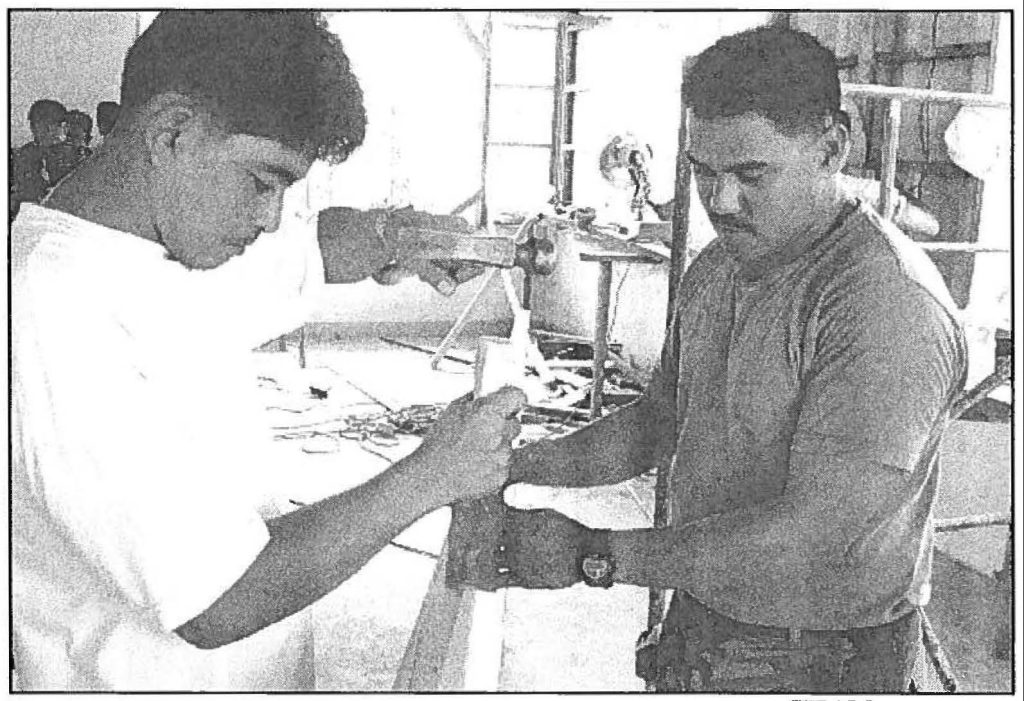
457 640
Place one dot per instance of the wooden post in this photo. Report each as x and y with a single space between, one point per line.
483 217
604 296
680 238
681 206
890 155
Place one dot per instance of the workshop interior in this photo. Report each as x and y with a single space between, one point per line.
546 148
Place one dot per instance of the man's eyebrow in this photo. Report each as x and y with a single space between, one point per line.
739 167
286 175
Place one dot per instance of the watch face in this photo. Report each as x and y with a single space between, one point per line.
596 568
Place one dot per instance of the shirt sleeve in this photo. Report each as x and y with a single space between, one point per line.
887 362
137 481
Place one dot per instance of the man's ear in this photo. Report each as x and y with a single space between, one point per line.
836 143
171 121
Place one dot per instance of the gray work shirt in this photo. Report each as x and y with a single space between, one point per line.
848 349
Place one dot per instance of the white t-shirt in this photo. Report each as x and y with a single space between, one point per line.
141 471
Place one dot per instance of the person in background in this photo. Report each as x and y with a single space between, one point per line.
69 154
148 550
79 132
106 117
32 168
805 382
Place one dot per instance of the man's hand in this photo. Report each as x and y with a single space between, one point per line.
466 453
543 549
357 244
443 276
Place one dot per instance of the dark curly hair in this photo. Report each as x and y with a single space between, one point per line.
77 118
275 74
46 111
783 75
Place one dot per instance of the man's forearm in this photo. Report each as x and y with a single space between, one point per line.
765 564
313 550
609 451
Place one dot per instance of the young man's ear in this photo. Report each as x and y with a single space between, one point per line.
170 121
836 143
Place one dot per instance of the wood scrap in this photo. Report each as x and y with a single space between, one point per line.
425 349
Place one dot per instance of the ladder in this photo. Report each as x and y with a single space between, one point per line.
564 28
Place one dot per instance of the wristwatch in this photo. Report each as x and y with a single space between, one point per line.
596 562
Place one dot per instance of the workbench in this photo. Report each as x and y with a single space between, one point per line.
606 249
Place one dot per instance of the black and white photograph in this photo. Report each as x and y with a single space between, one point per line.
607 350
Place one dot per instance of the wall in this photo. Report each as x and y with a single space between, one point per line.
73 57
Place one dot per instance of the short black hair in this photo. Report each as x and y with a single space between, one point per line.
46 111
782 74
106 115
275 74
80 119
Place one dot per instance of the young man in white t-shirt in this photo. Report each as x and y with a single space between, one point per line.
145 554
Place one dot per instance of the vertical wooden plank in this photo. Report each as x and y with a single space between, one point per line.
488 29
656 597
681 206
604 297
558 116
889 157
428 648
456 643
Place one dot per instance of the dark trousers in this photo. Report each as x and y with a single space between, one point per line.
704 651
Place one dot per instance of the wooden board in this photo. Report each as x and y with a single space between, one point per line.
456 644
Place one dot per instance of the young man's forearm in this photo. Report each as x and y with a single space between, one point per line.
611 450
312 551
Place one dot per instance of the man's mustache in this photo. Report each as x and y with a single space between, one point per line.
720 222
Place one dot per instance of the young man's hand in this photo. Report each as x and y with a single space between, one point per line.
443 276
466 453
357 244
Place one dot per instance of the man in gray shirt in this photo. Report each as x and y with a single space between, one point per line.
803 387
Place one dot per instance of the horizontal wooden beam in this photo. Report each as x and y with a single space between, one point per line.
887 92
949 52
